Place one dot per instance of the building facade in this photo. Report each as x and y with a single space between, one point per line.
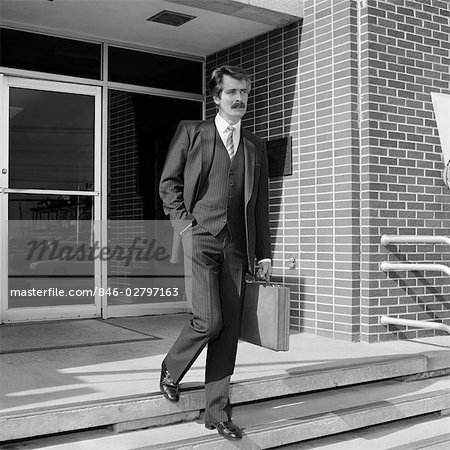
349 85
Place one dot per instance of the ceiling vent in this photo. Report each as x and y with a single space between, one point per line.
171 18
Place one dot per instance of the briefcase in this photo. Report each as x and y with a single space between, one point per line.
265 316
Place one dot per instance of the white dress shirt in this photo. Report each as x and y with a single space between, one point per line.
222 125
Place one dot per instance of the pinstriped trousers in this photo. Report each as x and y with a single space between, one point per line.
215 267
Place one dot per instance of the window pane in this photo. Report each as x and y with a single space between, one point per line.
158 71
33 51
46 236
140 130
42 207
51 140
139 269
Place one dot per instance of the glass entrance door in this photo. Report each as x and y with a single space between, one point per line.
49 200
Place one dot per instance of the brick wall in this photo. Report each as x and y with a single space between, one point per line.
305 87
272 61
329 170
405 57
355 176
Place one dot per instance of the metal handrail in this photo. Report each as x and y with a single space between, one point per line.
387 266
386 320
387 239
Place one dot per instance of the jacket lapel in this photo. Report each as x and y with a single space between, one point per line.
249 156
207 145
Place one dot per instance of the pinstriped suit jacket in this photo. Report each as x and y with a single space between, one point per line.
187 165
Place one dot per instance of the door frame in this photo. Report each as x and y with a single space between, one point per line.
46 312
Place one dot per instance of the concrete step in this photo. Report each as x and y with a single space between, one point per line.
428 432
136 412
280 422
342 419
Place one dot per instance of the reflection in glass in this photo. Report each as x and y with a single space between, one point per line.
140 130
46 236
51 140
139 269
45 207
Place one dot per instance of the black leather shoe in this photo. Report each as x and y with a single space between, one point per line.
227 429
167 386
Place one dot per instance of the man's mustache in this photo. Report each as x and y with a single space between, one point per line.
238 105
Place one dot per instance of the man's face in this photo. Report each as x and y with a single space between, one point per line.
233 99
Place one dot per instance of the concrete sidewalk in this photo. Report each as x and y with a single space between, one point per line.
121 358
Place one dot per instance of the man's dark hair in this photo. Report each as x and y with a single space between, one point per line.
216 81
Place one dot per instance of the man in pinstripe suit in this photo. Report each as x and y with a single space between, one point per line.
214 186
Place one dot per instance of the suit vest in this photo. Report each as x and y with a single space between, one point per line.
221 200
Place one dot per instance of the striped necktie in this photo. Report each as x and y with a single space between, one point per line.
229 143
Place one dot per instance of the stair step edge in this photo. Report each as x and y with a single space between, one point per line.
108 412
338 421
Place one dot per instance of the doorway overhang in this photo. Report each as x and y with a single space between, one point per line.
270 12
217 25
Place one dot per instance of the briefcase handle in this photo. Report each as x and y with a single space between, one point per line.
260 281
